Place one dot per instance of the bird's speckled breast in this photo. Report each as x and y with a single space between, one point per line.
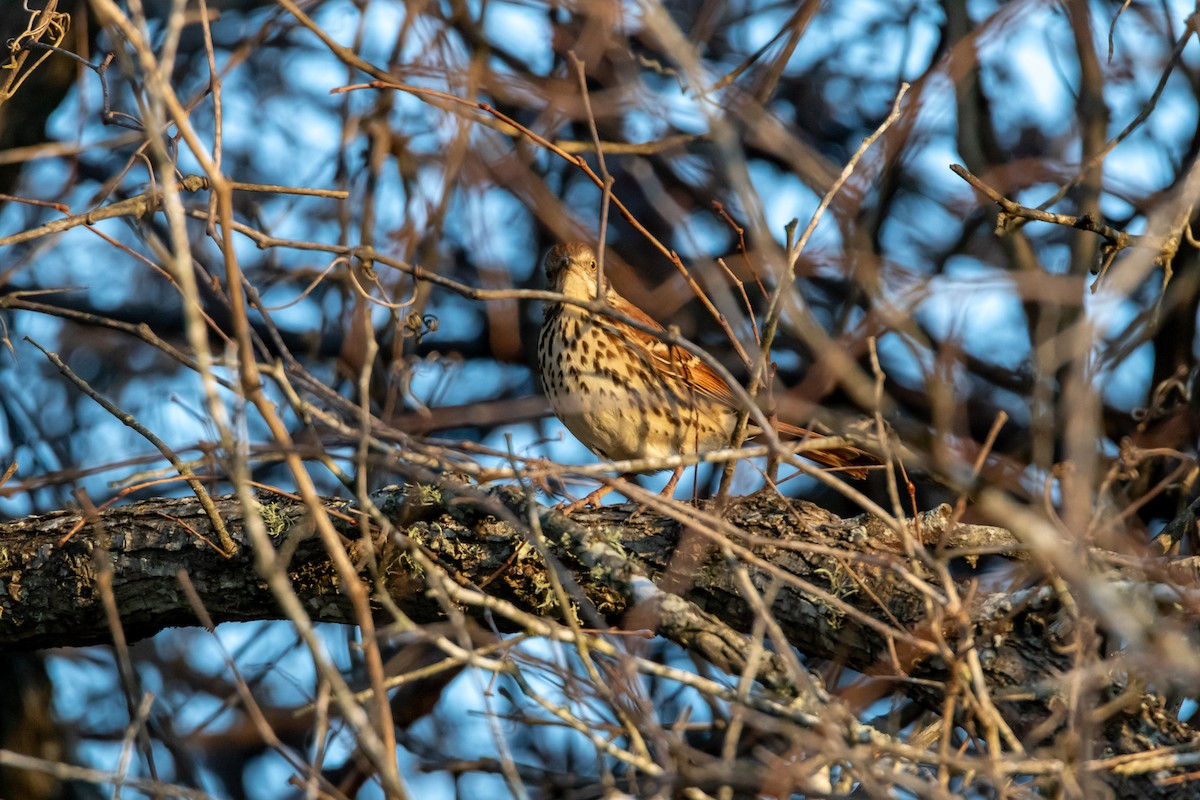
606 392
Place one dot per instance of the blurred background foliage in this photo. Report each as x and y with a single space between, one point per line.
755 117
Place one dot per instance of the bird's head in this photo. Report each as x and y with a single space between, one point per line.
571 270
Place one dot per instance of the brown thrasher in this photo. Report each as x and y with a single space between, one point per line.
625 393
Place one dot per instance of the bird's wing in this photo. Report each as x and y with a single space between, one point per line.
689 369
672 359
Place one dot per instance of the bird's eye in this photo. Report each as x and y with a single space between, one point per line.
592 265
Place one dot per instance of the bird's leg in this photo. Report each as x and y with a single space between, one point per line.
669 490
592 499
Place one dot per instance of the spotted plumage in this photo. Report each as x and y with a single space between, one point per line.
625 393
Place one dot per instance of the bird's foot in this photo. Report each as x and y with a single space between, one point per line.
592 499
667 493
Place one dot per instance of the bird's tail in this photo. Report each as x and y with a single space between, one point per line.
850 460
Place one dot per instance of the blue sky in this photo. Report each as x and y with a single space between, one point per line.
282 125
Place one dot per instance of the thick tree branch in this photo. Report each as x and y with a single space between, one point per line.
843 589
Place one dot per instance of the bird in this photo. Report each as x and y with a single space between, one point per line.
628 394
